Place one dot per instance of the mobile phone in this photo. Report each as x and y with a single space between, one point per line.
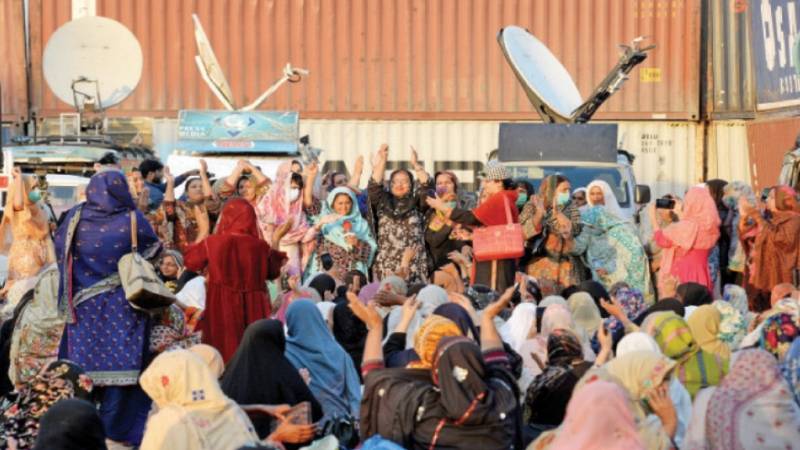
796 277
665 203
764 194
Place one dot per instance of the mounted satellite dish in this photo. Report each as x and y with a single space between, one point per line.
549 86
92 63
212 73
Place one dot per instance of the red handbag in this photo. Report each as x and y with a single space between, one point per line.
498 241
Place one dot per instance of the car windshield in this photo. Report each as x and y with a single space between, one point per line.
62 198
578 177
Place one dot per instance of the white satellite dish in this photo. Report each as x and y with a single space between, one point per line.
92 60
549 86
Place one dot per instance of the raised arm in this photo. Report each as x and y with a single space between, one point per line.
19 190
312 170
233 178
419 169
207 191
490 338
169 193
369 315
358 170
379 164
261 179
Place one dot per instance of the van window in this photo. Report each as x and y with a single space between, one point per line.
578 177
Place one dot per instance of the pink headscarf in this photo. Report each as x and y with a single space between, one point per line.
698 227
276 209
610 425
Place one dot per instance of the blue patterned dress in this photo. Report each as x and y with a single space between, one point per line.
104 335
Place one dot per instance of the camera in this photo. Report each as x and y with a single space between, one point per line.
665 203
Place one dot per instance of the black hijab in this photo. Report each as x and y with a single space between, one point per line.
399 208
667 304
350 332
597 291
71 424
322 283
694 294
461 317
259 373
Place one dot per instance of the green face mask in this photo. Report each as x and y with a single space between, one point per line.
34 195
522 199
562 198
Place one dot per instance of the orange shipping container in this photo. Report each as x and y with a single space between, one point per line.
394 59
14 96
768 142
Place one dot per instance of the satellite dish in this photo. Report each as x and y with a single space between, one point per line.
549 87
92 60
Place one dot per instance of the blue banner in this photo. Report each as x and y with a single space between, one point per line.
774 25
238 132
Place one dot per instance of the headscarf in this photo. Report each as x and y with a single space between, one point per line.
778 333
193 413
611 205
597 291
277 210
641 371
790 368
211 357
632 302
238 217
399 208
704 323
259 373
547 189
611 424
350 332
322 283
71 424
398 285
517 328
60 380
637 341
460 317
663 305
694 294
786 199
555 317
552 300
547 396
585 312
429 298
732 326
427 338
310 345
750 408
696 368
737 297
698 227
353 222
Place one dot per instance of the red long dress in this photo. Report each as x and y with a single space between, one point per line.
238 265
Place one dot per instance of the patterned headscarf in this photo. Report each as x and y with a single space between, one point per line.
791 369
632 302
733 326
704 324
563 348
777 334
432 330
20 418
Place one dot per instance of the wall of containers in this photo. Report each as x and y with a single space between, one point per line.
712 96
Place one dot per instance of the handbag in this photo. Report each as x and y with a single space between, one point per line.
498 241
144 290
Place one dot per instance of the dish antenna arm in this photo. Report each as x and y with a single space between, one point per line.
290 74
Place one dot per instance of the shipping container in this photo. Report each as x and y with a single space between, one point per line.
668 154
393 59
768 141
727 152
13 81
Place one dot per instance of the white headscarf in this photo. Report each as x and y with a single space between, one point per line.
515 332
429 298
639 341
611 205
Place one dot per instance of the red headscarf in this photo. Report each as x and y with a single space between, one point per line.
786 199
698 227
238 217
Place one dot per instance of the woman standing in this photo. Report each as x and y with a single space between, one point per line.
24 237
185 215
776 244
555 221
238 265
104 334
400 215
613 251
442 235
283 205
601 194
343 234
687 243
499 208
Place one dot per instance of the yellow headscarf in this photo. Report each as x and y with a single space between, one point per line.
704 325
432 330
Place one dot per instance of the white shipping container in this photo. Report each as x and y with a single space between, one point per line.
728 155
668 155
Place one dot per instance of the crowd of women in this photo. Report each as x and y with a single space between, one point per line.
310 313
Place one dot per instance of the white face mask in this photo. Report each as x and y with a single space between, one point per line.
294 194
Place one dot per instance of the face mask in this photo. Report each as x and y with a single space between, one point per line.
451 205
562 198
522 199
34 195
294 194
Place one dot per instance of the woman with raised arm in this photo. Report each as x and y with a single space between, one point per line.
185 214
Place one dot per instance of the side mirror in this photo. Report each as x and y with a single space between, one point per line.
642 194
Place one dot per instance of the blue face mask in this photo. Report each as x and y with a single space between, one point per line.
522 198
562 198
34 195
